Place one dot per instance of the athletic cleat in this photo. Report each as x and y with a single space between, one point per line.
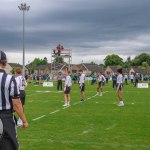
121 104
65 104
101 94
97 93
68 104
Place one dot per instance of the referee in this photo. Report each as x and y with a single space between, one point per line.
59 81
9 101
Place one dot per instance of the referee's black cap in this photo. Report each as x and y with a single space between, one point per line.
3 56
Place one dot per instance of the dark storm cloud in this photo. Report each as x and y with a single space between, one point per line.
88 27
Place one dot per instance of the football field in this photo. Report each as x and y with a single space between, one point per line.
95 124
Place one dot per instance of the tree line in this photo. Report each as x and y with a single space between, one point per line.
142 60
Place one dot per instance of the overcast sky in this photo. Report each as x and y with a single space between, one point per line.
91 28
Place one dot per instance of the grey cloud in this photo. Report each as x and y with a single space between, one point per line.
88 27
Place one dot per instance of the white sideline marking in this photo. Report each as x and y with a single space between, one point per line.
54 112
65 107
86 131
38 118
43 91
77 103
92 96
96 95
111 127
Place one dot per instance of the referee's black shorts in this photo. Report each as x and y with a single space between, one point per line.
9 140
22 96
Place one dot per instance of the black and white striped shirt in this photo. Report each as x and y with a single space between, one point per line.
21 82
8 90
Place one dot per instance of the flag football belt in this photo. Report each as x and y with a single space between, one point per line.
1 129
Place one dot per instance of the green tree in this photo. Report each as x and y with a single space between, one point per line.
38 62
113 60
102 65
127 63
145 65
138 60
44 61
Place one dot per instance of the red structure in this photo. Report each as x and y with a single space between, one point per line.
60 52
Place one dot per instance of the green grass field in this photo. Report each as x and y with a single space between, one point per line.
95 124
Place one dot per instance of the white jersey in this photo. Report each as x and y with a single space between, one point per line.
101 78
120 79
21 82
68 81
82 78
132 76
125 76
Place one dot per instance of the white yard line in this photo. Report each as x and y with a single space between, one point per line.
86 131
77 103
54 112
38 118
64 108
111 127
96 95
106 92
43 91
92 97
